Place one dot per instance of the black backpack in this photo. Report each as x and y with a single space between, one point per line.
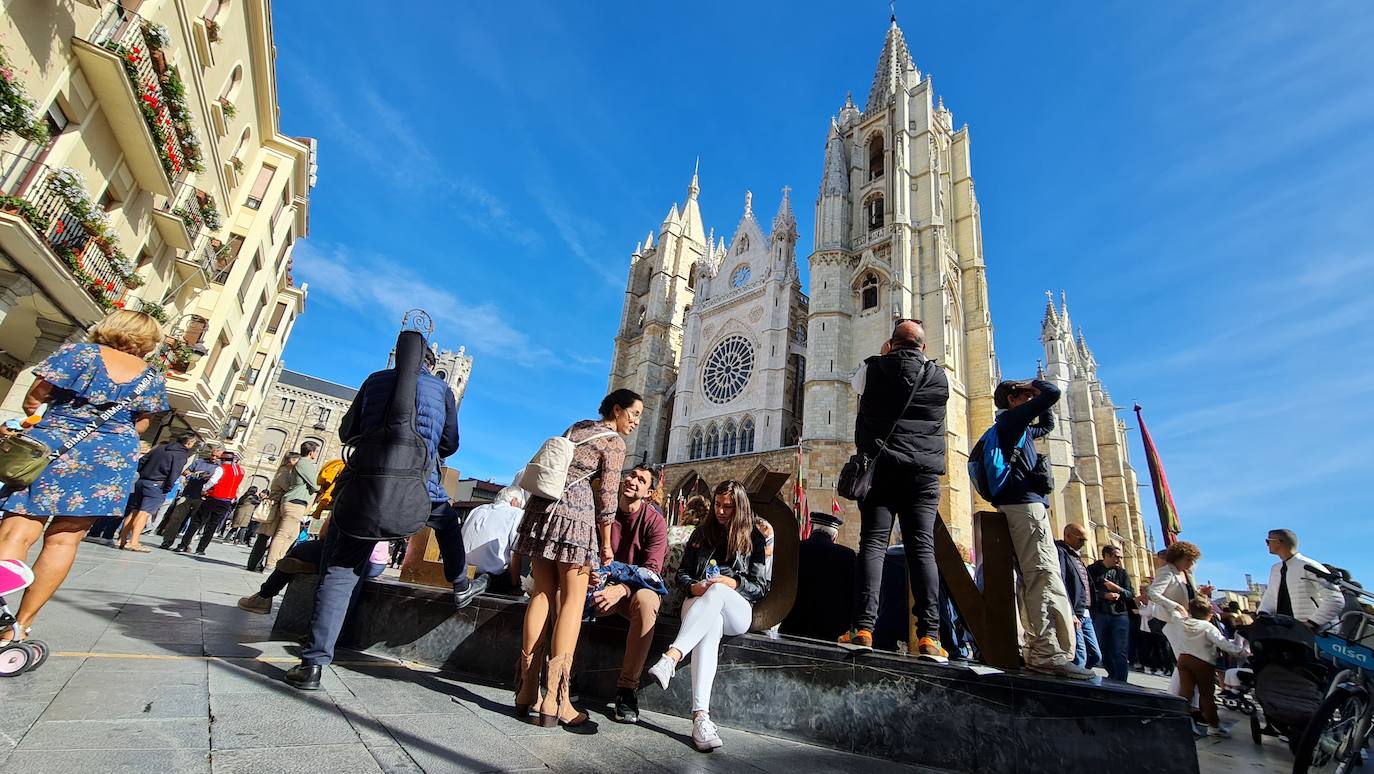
381 493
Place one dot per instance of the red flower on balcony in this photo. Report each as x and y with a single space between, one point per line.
119 305
58 228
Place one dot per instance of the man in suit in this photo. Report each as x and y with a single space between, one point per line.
825 583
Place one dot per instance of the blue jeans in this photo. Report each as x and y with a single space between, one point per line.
1086 653
1113 636
343 565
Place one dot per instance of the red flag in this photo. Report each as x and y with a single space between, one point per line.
803 513
1164 499
835 507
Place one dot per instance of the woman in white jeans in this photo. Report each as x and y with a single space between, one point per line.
724 572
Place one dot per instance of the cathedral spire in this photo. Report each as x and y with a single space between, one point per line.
1049 327
785 222
691 211
748 204
893 63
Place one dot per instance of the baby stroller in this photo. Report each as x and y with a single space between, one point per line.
1285 677
17 657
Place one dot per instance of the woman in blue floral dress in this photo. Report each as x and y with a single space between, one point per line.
93 479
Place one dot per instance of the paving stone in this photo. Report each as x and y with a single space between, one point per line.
138 698
127 734
393 759
247 675
311 759
289 717
123 761
445 743
569 752
404 694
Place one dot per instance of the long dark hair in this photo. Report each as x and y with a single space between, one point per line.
738 536
621 399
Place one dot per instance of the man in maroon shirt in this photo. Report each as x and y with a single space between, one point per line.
639 537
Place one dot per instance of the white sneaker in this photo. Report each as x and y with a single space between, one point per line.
663 670
704 734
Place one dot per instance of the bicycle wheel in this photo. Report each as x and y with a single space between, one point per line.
1333 739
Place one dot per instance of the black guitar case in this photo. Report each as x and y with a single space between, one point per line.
381 493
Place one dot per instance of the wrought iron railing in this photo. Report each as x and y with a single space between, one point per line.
42 196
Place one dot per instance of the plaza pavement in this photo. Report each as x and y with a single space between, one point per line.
155 669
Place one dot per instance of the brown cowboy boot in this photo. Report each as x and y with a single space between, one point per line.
528 668
556 689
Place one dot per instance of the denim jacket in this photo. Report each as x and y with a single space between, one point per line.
750 572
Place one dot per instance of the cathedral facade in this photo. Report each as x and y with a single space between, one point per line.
740 370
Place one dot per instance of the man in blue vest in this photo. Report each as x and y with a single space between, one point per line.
345 558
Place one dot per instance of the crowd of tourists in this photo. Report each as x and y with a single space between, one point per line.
596 532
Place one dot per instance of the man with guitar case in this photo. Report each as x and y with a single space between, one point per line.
401 425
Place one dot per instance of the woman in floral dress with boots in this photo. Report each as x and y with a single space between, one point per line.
563 538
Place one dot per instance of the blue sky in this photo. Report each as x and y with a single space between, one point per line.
1197 180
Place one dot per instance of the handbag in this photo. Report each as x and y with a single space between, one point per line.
856 477
23 459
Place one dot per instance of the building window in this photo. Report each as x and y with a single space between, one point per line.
324 414
277 315
692 277
259 189
276 214
868 294
730 439
746 435
727 369
694 449
873 213
712 441
639 320
739 276
875 157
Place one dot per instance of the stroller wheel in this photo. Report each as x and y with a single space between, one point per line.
15 658
1256 732
41 651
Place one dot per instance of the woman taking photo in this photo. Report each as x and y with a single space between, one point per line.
91 480
724 571
563 538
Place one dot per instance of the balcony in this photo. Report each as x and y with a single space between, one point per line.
143 97
196 269
52 229
178 231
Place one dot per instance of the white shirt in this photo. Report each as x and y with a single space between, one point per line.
1201 640
1147 612
213 479
1311 598
488 533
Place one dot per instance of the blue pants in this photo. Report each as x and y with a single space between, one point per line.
1086 652
1113 637
343 565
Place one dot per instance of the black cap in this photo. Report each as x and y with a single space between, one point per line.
823 519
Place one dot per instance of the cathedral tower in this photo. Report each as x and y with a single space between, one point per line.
898 235
661 286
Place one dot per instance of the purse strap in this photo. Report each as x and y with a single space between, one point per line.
105 416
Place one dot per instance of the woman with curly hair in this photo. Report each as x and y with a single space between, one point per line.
724 572
1173 589
90 480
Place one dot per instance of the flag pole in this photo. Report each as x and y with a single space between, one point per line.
1164 499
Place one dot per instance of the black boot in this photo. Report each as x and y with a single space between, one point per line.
626 706
304 676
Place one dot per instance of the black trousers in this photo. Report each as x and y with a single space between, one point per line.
207 520
911 501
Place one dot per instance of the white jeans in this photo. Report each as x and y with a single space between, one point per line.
705 619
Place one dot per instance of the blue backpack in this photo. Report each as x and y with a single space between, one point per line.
988 468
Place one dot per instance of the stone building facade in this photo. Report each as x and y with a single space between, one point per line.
161 181
298 408
897 235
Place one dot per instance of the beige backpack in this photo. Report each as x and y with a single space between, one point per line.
546 475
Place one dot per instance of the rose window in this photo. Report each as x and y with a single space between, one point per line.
727 369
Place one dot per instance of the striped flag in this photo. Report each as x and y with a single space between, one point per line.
1164 499
803 513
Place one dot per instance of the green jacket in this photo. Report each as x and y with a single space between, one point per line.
304 488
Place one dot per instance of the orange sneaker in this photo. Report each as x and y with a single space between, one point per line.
928 649
856 639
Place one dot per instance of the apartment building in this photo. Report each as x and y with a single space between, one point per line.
142 166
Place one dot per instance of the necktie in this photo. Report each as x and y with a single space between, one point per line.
1285 605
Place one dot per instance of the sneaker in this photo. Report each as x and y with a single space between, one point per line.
704 734
856 639
293 566
626 706
1066 669
1221 731
663 670
462 597
256 604
928 649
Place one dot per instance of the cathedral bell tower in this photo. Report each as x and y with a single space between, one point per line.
660 288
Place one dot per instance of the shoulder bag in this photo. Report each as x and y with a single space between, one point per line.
23 458
856 477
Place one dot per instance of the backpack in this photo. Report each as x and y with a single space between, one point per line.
546 475
381 494
988 467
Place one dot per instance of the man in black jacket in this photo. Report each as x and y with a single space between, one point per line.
157 474
1112 598
901 426
825 583
1045 611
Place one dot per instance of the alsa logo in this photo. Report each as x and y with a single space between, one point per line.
1354 654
